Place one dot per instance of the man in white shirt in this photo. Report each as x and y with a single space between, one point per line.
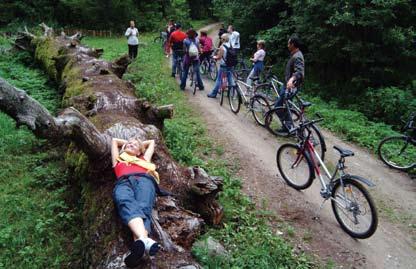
132 40
234 38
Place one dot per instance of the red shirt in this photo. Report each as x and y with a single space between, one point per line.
177 37
206 43
123 168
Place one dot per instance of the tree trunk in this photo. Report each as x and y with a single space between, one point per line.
100 105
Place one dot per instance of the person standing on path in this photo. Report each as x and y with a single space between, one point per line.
206 46
169 29
221 31
294 77
221 57
234 38
133 42
192 48
176 43
258 61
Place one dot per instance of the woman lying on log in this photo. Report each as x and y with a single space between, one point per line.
135 192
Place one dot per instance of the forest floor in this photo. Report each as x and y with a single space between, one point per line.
394 243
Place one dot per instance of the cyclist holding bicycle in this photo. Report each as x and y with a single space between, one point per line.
206 46
258 61
294 77
192 47
226 65
176 43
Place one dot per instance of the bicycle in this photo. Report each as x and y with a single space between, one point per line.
179 64
162 38
224 85
193 79
255 102
351 203
209 66
399 152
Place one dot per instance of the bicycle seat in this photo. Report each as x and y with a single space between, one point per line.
344 152
306 104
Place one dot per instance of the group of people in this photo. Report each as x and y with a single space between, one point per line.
137 180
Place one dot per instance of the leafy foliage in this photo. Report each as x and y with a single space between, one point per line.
38 215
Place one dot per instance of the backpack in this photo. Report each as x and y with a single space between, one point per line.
193 50
231 59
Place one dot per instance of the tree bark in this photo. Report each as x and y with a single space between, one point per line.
100 105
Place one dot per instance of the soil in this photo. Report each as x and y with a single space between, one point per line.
394 243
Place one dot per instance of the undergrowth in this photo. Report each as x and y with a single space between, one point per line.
245 234
37 220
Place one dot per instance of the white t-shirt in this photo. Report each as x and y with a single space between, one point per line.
235 39
132 34
259 55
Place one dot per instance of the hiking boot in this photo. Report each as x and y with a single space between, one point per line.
211 95
137 251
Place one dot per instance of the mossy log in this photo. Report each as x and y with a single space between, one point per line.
100 105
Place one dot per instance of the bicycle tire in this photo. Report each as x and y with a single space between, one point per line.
203 68
272 121
286 157
391 149
157 39
266 89
259 107
222 96
353 206
318 141
234 98
213 70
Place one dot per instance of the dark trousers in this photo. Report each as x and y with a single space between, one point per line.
285 116
133 51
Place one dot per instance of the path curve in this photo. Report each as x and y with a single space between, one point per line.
393 244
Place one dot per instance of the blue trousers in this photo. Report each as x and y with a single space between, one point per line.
135 197
175 56
218 82
195 66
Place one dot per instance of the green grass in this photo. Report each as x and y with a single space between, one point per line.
37 219
246 234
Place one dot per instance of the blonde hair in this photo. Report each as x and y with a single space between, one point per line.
134 139
262 43
226 37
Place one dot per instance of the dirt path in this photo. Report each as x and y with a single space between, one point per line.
392 246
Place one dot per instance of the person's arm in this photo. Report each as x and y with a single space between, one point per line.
219 54
115 144
128 32
298 74
150 149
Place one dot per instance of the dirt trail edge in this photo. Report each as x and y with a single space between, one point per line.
393 244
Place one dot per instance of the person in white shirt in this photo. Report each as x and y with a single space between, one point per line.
234 38
132 40
258 61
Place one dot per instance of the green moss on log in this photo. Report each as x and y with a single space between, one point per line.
46 50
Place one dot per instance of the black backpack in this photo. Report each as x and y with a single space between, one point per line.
231 59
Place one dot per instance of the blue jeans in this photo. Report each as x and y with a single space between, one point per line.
285 116
218 82
255 71
176 55
134 198
195 65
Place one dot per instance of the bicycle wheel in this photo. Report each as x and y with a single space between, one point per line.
203 68
213 70
267 91
318 141
273 122
259 107
295 166
354 208
157 39
398 152
223 90
234 98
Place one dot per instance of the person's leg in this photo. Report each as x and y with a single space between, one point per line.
249 81
217 83
184 75
198 75
130 52
230 71
135 48
174 59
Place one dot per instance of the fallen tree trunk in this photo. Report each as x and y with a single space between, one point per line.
100 105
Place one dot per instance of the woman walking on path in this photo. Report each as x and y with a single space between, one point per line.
192 48
133 42
222 56
258 61
135 193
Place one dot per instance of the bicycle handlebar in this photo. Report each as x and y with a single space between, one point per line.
303 125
